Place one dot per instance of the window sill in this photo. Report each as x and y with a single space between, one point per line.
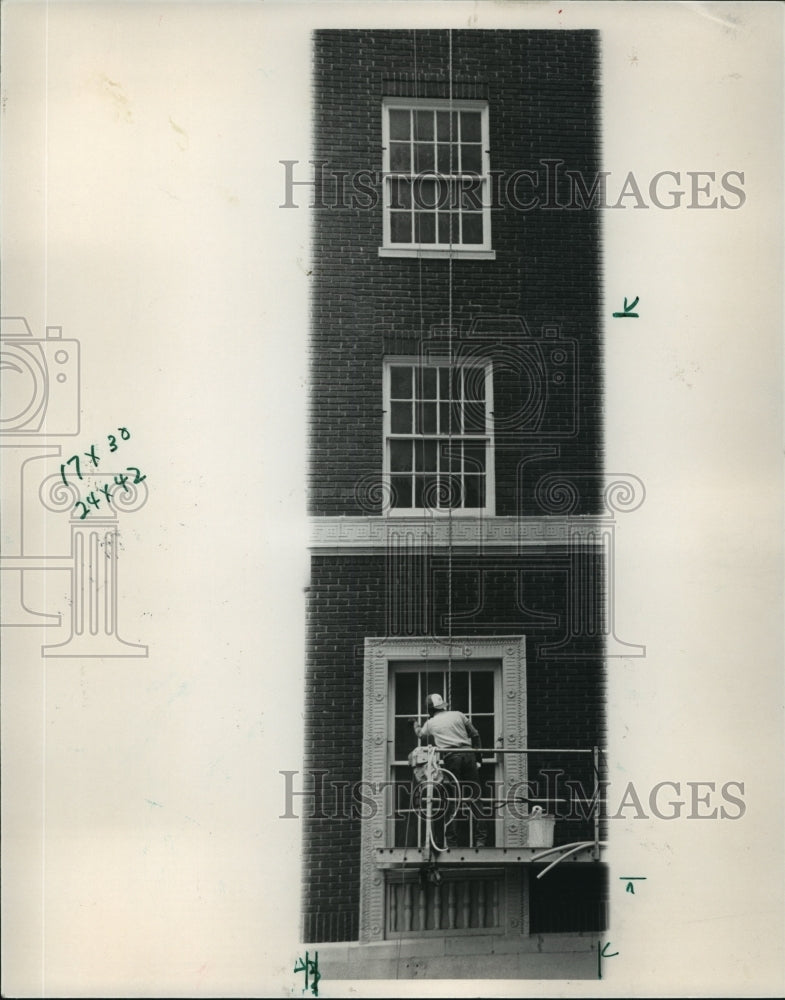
439 254
437 513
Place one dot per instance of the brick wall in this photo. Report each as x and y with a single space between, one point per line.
348 600
543 94
542 89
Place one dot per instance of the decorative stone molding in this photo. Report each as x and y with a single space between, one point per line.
510 652
334 535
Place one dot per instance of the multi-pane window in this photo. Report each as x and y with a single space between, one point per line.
436 175
438 436
473 691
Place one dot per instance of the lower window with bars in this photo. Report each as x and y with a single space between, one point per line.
460 903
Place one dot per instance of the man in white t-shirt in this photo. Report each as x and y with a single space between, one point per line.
455 738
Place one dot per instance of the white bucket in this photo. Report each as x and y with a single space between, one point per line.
540 829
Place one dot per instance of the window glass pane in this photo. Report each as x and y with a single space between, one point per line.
426 193
401 227
460 691
401 491
444 383
405 740
424 227
451 456
400 193
474 491
423 124
406 693
442 124
451 491
474 457
400 156
400 456
457 383
424 161
432 683
401 381
425 455
428 492
456 409
471 126
482 691
471 159
484 725
428 383
444 418
446 235
399 123
444 162
426 418
468 194
471 226
441 449
401 418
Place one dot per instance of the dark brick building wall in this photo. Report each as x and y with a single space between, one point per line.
349 599
543 89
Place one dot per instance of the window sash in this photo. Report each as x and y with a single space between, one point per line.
438 440
405 828
453 161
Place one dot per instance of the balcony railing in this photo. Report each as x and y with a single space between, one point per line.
436 804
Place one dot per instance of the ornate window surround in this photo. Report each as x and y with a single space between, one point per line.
510 650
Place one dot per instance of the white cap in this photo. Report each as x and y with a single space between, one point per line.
436 702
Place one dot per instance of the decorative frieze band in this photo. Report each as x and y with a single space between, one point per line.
336 534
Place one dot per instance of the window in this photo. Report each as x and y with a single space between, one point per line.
436 178
438 437
472 689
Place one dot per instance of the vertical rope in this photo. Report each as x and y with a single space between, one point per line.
449 396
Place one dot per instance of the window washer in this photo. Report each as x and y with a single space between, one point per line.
455 737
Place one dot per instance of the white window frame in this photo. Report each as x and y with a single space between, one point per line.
482 250
488 437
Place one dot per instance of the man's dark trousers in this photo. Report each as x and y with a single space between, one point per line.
463 764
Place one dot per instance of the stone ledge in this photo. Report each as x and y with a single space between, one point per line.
371 533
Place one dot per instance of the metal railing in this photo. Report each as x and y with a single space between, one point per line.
430 803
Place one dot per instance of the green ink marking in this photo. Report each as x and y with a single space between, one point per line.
628 313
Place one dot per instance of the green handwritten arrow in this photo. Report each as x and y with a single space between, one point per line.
628 313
